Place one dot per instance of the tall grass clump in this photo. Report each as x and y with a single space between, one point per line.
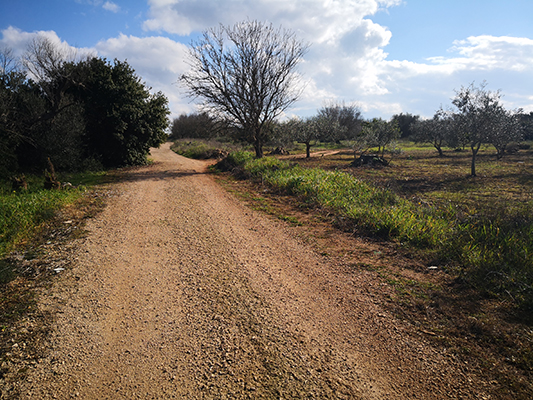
196 150
368 208
495 249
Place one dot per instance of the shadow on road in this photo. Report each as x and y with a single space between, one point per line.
154 172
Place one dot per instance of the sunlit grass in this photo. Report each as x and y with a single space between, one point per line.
24 213
200 148
482 226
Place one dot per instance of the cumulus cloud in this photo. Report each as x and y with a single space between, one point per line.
158 60
18 41
489 53
501 61
110 6
346 46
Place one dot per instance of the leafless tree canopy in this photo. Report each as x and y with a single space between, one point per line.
43 58
246 74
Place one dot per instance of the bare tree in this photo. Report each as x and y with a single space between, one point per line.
246 74
50 65
43 58
8 62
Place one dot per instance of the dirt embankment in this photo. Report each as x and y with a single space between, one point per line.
179 291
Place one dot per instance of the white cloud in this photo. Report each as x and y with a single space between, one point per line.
489 53
18 40
110 6
506 63
348 60
346 47
319 20
159 61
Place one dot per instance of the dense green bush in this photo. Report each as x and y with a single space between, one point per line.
89 112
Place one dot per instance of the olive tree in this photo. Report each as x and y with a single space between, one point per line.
508 129
246 74
309 131
437 131
347 116
380 133
477 117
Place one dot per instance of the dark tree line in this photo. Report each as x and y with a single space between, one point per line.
80 114
193 126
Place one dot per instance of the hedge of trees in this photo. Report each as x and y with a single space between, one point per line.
80 114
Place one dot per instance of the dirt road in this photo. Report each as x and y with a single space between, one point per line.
181 292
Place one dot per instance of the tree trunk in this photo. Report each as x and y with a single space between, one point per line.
258 147
258 142
307 150
474 154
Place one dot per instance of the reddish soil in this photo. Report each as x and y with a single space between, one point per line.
179 290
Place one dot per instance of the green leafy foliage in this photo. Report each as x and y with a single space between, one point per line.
123 119
84 114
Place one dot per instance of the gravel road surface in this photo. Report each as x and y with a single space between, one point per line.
181 292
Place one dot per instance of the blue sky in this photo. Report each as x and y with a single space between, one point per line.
388 56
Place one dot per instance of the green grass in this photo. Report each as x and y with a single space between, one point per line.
490 244
24 213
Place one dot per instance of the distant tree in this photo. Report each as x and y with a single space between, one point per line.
195 125
347 116
435 131
527 125
405 123
380 133
309 131
246 74
477 116
508 129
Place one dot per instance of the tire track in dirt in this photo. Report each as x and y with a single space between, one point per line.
179 291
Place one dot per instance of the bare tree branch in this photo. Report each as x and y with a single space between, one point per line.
246 74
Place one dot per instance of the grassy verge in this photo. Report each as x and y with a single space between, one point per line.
24 213
35 230
491 247
474 300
